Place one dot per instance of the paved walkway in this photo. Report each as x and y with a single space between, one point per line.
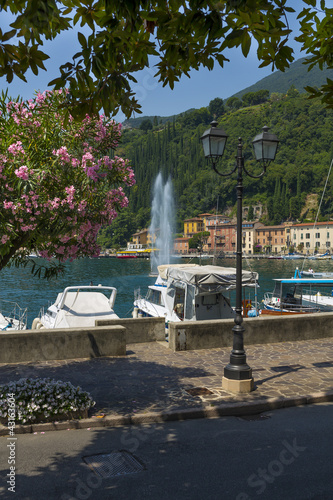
153 383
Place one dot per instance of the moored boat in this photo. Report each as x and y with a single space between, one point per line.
12 316
126 255
293 256
299 295
78 306
191 292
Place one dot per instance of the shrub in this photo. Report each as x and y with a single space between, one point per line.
41 399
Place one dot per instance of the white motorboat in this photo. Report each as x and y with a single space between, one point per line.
78 306
191 292
319 256
293 256
12 316
315 274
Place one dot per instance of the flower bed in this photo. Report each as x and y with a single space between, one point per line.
42 400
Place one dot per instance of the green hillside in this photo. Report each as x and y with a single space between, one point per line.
304 128
297 75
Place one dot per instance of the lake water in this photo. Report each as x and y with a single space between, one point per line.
126 275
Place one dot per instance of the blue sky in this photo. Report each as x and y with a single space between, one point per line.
194 92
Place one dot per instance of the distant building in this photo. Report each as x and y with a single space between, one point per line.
180 246
305 237
271 239
222 238
144 238
140 238
210 220
193 226
249 236
257 211
309 238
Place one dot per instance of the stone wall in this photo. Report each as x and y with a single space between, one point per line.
138 329
107 338
188 335
62 343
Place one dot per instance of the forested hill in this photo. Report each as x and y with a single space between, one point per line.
304 128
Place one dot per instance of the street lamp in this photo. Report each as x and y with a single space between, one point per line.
237 374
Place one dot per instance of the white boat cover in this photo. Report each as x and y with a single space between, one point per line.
83 309
162 269
204 277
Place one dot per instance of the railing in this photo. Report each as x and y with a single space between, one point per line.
12 311
290 304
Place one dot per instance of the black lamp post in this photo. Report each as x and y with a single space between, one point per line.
238 374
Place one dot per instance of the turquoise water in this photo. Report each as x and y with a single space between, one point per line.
126 275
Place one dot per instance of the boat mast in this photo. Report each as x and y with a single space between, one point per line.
214 255
321 201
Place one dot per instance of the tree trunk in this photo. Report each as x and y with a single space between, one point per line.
18 243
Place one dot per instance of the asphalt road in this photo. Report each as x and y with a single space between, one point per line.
284 454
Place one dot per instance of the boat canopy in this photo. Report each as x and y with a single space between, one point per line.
163 269
207 278
305 281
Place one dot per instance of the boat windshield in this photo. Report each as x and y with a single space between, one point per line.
155 297
179 304
284 290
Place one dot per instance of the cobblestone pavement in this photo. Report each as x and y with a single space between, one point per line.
153 379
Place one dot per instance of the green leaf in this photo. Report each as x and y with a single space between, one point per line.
246 44
8 35
82 40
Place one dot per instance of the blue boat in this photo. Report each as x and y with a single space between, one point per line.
299 295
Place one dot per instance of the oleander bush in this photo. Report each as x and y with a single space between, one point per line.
34 400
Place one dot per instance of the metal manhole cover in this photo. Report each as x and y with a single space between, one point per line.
114 464
199 391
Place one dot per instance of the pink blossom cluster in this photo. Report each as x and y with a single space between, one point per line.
22 172
68 186
62 154
16 148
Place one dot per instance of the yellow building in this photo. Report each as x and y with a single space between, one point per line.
193 226
141 237
144 238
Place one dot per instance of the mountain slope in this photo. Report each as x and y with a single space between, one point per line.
297 75
303 126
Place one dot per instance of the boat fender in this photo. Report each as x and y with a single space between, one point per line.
35 323
135 312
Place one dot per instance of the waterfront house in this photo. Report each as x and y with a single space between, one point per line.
310 238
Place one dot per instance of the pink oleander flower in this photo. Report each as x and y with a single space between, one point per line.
8 204
40 98
16 148
22 172
62 153
4 239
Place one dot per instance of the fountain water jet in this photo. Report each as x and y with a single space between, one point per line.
162 222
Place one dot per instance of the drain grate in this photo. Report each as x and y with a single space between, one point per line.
199 391
114 464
